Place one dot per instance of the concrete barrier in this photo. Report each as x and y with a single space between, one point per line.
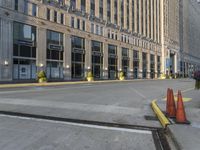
163 120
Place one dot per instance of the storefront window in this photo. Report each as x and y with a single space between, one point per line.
125 61
112 62
54 37
112 49
54 70
97 59
78 42
158 65
152 66
144 64
24 69
78 57
24 52
54 55
23 32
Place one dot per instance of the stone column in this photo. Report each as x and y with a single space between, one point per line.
88 56
140 18
148 21
125 14
51 15
162 38
156 65
175 63
78 4
41 49
155 16
119 12
88 7
119 59
130 16
148 65
135 17
140 64
97 8
151 21
6 49
130 63
112 11
105 9
144 17
67 57
105 61
158 20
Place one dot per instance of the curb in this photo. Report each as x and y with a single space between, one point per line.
174 140
68 83
163 120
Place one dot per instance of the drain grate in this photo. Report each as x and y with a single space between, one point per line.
152 118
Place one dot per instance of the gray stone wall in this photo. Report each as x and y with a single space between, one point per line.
190 29
6 46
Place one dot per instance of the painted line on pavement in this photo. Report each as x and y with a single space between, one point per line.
44 89
83 125
187 90
139 93
185 99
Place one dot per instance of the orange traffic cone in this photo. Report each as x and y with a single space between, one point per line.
172 106
167 101
180 113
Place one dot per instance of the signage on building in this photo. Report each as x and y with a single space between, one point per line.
112 56
125 57
96 53
77 50
26 43
55 47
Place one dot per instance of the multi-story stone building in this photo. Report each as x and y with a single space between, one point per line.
170 36
68 38
189 36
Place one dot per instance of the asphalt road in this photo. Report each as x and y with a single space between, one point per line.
117 103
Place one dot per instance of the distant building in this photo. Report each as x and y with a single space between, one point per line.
170 36
69 38
189 36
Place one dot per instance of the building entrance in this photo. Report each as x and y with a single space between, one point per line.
125 61
144 65
78 59
97 59
152 66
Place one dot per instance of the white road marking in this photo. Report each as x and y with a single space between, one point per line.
187 90
196 125
83 125
140 94
42 89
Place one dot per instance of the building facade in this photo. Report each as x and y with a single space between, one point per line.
69 38
170 36
190 35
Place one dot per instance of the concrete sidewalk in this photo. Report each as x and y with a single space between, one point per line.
16 85
186 137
